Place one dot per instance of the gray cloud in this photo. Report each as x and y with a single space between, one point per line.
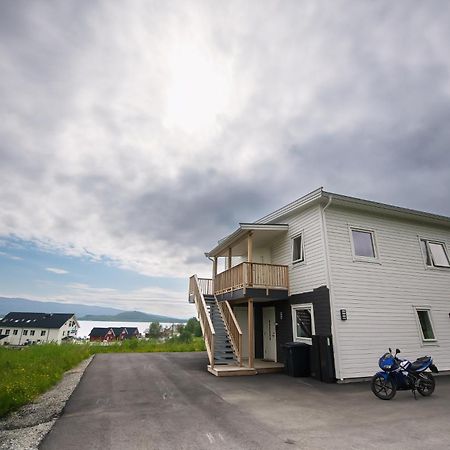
145 133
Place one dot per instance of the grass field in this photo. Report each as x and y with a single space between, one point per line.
28 372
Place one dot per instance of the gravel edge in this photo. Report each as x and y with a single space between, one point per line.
24 429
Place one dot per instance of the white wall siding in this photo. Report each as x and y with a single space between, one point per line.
310 274
51 334
379 297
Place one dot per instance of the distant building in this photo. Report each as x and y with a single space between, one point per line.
23 328
108 334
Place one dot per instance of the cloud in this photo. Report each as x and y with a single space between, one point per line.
9 256
141 135
56 270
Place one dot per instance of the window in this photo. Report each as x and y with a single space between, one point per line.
43 333
25 332
303 323
32 332
7 332
15 332
363 244
298 253
426 325
435 253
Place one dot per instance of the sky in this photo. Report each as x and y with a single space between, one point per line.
135 134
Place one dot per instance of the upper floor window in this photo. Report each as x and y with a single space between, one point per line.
435 253
32 332
298 253
15 332
43 333
363 243
25 332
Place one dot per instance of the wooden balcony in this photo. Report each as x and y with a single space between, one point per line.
255 276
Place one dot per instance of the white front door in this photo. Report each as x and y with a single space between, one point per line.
270 335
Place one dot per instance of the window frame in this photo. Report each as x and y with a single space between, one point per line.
427 241
371 231
310 308
300 235
428 309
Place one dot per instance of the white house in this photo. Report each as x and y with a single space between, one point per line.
349 277
22 328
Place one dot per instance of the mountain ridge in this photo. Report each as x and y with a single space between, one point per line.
9 304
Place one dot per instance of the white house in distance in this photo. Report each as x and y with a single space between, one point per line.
22 328
349 277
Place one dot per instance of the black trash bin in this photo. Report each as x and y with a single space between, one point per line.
296 362
322 360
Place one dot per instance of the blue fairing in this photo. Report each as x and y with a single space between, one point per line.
385 375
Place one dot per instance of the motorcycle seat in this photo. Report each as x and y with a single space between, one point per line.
420 363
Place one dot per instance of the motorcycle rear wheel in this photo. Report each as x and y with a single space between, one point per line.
426 386
383 388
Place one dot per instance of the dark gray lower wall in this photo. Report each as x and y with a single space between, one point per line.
320 299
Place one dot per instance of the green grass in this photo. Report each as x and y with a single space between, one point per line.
28 372
132 345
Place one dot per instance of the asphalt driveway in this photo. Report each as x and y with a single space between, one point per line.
169 401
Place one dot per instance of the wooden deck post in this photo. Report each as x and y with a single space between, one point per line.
229 258
251 325
250 247
214 274
250 258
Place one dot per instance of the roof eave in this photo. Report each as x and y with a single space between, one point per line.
392 209
241 232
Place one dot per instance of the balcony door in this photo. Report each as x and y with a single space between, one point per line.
269 333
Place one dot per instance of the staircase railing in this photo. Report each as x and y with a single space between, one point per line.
196 293
206 286
233 328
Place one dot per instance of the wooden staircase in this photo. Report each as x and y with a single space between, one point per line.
221 331
223 349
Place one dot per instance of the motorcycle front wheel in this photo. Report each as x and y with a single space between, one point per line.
426 384
383 388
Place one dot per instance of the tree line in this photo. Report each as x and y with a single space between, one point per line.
183 333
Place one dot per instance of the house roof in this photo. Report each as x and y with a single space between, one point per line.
318 196
101 331
130 331
35 320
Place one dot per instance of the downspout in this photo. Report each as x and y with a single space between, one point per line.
213 261
336 348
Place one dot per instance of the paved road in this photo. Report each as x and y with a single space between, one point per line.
169 401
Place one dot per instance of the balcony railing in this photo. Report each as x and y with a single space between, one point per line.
252 275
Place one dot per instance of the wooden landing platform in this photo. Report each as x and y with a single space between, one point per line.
231 370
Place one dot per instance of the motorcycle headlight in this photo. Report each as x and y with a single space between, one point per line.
388 366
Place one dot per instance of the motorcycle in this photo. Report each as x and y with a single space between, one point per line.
402 375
